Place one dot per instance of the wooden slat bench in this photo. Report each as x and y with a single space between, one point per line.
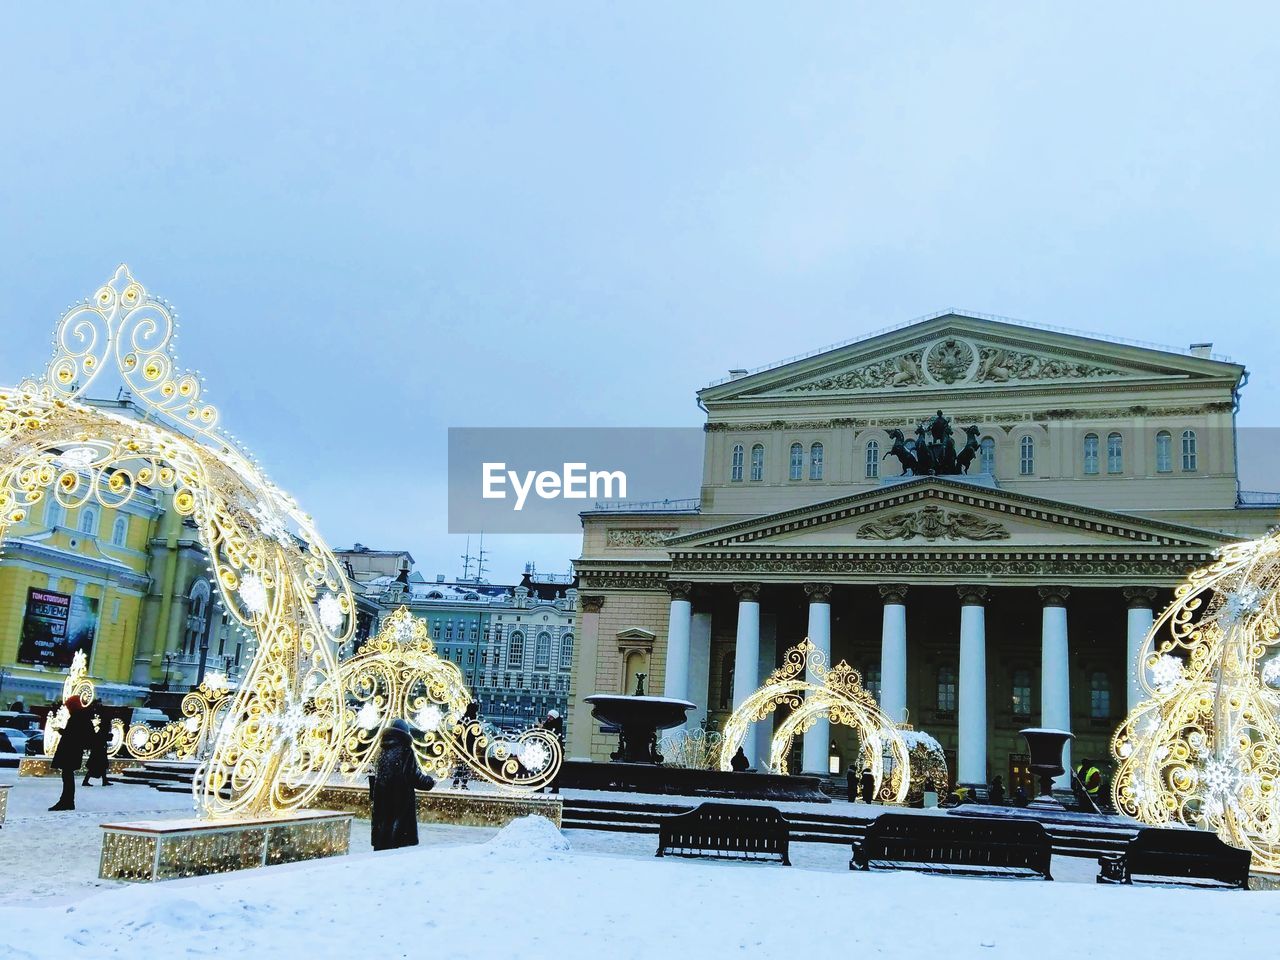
955 845
745 831
1177 855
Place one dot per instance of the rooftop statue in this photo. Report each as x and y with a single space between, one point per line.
933 451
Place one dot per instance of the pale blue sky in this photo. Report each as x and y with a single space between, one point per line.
379 221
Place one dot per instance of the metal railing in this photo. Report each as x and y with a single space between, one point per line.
688 505
1109 338
1257 498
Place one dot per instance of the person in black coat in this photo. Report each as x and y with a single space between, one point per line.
739 761
868 786
76 737
98 763
393 806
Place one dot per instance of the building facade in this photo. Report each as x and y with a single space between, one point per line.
128 584
975 604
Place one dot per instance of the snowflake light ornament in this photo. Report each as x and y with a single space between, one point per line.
1166 673
368 718
330 613
1271 672
535 755
253 594
216 681
1240 603
429 717
77 458
270 523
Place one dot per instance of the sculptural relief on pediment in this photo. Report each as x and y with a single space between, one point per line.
932 522
955 360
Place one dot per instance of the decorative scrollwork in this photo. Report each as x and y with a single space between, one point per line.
1204 749
835 693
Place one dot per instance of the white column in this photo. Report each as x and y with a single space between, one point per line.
972 755
699 667
817 739
1055 672
767 663
746 654
679 629
1141 616
893 652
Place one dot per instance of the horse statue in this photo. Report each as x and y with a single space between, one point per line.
902 452
965 456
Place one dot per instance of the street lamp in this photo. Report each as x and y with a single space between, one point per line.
169 659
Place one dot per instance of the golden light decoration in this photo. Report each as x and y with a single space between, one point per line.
186 739
692 749
398 675
275 574
1204 749
838 696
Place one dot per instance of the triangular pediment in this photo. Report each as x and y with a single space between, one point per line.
936 513
954 350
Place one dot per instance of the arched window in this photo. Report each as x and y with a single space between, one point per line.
435 629
448 630
542 652
987 456
1022 693
197 615
797 461
1164 452
120 532
1189 456
89 521
1090 453
57 514
735 472
515 650
946 690
566 651
757 462
872 681
815 462
873 459
1115 453
475 630
1099 696
1027 465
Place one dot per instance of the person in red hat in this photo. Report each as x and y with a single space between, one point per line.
69 756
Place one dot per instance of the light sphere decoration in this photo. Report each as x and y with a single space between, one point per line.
270 564
1204 749
838 696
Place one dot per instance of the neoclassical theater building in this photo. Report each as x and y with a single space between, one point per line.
1093 475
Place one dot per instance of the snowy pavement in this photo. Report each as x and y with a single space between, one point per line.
530 891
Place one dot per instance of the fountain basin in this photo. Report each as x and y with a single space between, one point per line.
638 720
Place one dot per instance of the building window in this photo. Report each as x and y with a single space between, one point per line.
471 657
1099 696
873 459
815 462
448 630
797 462
1022 693
1028 463
757 462
57 516
1115 453
1189 450
515 650
119 532
872 684
89 521
1090 453
946 690
475 630
987 456
566 651
542 652
735 472
1164 452
435 629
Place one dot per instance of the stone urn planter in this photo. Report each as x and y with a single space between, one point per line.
1045 747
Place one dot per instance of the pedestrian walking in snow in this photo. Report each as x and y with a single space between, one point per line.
75 738
868 786
394 807
98 763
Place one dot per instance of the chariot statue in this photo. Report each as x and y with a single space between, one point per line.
933 451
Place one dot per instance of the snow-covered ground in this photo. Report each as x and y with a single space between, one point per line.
529 891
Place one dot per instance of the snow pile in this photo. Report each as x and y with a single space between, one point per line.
918 738
529 838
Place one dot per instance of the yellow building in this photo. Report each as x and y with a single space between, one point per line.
129 585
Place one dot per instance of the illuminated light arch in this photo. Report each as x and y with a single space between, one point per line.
840 697
1204 749
274 573
397 674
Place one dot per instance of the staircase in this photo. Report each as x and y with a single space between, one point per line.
167 776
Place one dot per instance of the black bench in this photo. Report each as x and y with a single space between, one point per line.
1179 855
976 845
744 831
